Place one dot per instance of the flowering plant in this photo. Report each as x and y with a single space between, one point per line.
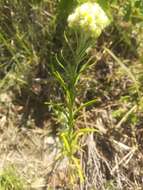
90 18
87 21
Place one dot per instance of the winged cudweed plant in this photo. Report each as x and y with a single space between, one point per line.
87 22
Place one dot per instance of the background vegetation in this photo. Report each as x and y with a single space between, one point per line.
31 118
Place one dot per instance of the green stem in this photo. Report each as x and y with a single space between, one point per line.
70 106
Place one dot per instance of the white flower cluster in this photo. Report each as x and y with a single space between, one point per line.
90 18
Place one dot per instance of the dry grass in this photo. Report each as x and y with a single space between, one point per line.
112 159
109 161
31 151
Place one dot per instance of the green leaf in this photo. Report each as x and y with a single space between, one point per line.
60 79
79 169
66 145
86 104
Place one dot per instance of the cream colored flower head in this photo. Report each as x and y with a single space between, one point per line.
90 18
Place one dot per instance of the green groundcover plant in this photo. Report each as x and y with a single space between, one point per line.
9 180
